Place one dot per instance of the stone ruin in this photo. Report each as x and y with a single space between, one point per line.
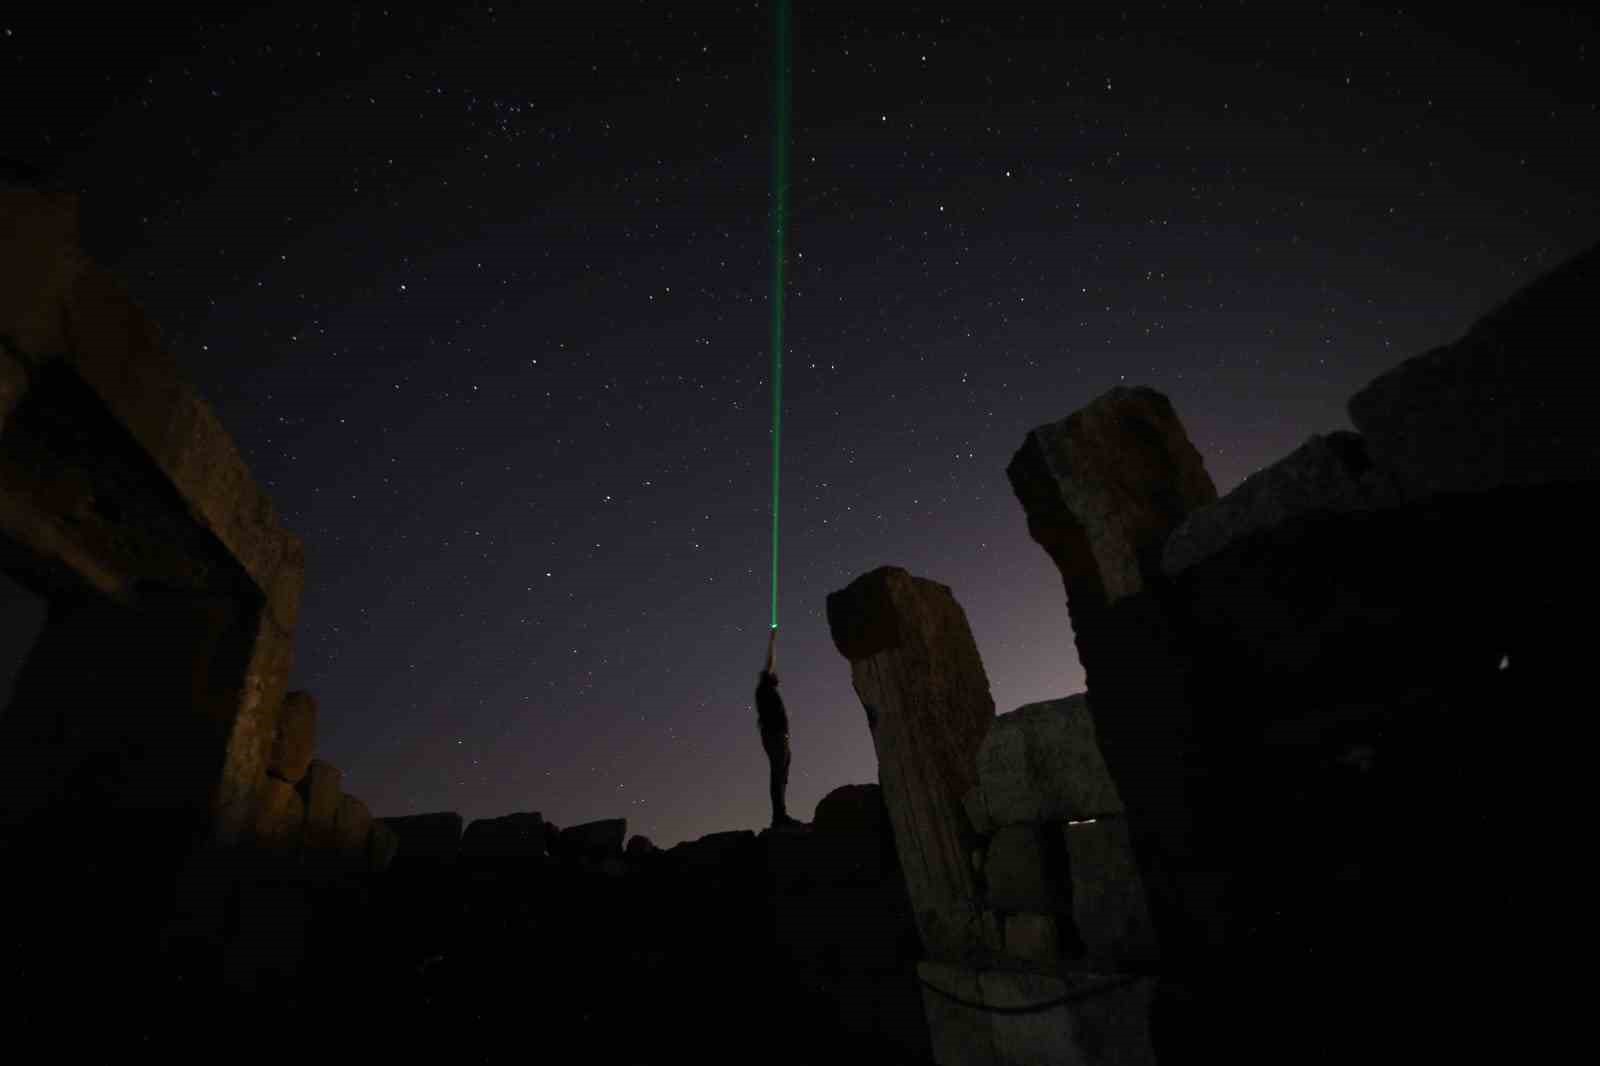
1261 835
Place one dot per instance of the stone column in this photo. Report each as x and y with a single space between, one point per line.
917 671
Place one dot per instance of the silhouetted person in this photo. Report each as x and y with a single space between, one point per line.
774 722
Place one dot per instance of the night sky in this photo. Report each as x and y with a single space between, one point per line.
484 299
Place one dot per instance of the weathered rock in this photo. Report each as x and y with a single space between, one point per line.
434 837
1325 474
1025 869
352 828
596 841
916 669
281 817
1109 906
321 790
382 846
296 738
977 808
1106 486
1042 762
511 836
713 852
852 838
1033 939
640 847
1084 1020
1510 403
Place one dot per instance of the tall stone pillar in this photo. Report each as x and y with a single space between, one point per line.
917 671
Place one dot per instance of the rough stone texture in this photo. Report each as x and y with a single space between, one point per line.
1104 487
254 726
1109 906
511 836
352 827
296 738
71 323
280 818
595 841
1105 1022
921 681
13 383
977 808
434 837
382 846
1033 939
320 788
1042 762
1327 473
1510 403
1025 870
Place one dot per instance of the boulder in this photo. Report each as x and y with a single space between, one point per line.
640 847
1042 762
1001 1017
320 788
1510 403
1103 489
1110 909
713 853
511 836
352 828
280 818
1034 939
382 846
595 841
1025 869
921 682
434 837
292 745
1328 473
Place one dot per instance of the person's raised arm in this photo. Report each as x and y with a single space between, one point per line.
772 652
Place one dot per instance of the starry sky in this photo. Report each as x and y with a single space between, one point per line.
484 297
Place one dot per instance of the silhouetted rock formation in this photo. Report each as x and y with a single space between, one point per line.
1289 703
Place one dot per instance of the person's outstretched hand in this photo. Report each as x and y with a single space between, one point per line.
772 650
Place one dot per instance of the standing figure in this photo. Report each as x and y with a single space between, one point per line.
774 721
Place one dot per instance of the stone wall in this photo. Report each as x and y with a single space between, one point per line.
1305 691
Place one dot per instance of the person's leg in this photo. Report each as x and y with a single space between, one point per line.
780 782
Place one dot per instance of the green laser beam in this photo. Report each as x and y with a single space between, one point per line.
780 204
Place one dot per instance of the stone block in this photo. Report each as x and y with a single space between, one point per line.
432 837
1034 939
280 817
596 841
382 846
321 790
1110 907
352 826
1025 870
296 738
1105 487
511 836
1510 403
921 682
976 807
253 729
1008 1018
1042 762
39 264
13 385
1327 474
